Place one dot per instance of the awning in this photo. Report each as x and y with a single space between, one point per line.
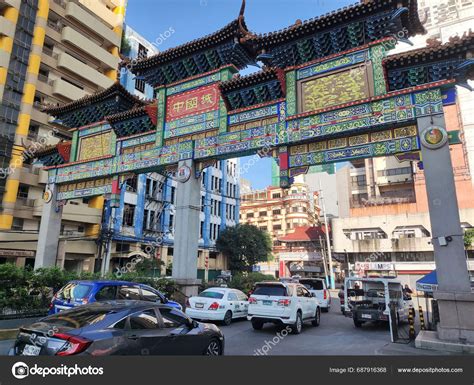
428 283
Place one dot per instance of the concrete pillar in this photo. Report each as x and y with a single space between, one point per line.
50 228
186 234
61 257
455 299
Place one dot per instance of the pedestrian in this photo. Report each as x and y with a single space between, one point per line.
407 289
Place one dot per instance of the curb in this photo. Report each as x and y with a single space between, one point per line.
8 334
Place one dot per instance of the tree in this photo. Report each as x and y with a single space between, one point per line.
468 238
245 245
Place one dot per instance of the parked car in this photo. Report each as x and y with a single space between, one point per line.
318 286
370 299
119 328
218 304
76 293
283 303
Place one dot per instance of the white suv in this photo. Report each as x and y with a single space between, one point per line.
282 302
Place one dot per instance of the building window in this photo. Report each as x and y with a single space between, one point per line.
173 195
171 222
394 171
203 203
122 247
145 219
276 212
139 82
23 191
250 215
17 224
201 229
128 215
276 196
276 227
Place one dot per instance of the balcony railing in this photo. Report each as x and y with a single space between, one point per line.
25 202
57 27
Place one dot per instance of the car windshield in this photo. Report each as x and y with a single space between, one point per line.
77 318
274 290
312 284
212 294
73 291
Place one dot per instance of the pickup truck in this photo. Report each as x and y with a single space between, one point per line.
370 299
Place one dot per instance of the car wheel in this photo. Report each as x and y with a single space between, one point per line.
227 318
213 349
357 323
298 325
257 325
317 317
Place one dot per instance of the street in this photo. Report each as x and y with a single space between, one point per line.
335 336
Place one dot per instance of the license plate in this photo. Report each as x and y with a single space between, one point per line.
199 305
268 303
31 350
366 316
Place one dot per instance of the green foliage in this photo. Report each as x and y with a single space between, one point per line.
125 46
468 238
246 281
245 245
28 290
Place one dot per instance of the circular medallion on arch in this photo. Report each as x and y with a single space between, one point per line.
434 137
183 174
47 195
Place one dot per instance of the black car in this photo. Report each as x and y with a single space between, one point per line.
119 328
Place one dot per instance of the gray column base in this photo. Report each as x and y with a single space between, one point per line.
187 288
456 311
430 340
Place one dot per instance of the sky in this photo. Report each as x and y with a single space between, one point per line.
168 23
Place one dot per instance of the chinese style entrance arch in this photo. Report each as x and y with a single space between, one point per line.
328 92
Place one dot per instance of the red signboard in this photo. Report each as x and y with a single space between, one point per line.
193 102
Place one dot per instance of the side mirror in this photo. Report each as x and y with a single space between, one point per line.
165 300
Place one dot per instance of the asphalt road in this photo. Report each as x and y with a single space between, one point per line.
335 336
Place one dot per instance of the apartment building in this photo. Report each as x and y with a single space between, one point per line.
279 212
51 52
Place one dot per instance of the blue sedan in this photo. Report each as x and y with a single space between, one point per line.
76 293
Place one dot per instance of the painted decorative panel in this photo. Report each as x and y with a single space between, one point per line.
85 189
201 100
338 88
331 65
345 153
199 82
95 146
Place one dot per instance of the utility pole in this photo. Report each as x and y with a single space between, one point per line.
328 241
323 256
